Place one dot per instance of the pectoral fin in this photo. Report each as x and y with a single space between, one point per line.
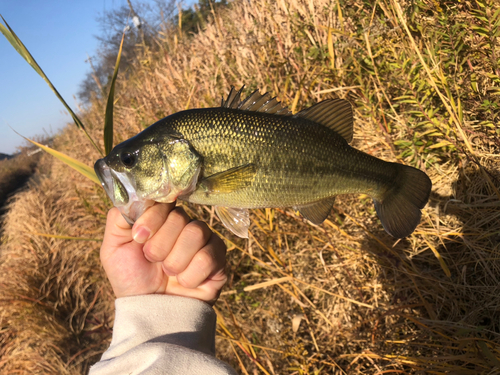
237 220
230 180
317 212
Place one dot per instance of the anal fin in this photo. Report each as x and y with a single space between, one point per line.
317 212
237 220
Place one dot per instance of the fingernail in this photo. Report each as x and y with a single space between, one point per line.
141 235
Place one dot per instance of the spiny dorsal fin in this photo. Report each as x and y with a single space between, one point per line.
255 103
317 212
233 99
335 114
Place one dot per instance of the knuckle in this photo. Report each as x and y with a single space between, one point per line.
204 262
178 217
173 265
197 231
216 249
224 277
209 263
152 252
219 245
186 281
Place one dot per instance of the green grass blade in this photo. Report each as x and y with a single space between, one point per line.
66 237
11 36
73 163
108 118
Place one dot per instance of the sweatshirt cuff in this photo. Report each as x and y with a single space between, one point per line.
157 318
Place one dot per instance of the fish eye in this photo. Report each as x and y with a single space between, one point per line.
127 159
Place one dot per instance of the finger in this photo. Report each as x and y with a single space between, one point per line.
151 221
118 250
209 291
211 288
159 246
207 262
117 230
193 237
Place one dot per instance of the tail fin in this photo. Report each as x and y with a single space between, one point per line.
399 210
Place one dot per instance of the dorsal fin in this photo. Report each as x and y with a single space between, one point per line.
335 114
255 102
233 99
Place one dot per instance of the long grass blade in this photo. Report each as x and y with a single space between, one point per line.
108 118
439 258
73 163
66 237
11 36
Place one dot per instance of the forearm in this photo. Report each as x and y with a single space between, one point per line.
162 334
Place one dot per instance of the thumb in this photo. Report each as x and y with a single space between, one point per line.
118 232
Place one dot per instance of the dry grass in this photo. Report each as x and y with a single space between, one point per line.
15 172
424 83
49 287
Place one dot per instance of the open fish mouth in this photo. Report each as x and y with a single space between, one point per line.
120 188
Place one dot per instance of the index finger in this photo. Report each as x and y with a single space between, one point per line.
151 221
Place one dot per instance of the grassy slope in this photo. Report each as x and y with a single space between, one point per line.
15 172
424 82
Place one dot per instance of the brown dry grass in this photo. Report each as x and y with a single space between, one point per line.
15 172
365 302
49 287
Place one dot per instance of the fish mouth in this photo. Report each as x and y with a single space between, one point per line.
104 175
120 188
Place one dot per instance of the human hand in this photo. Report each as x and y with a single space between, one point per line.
163 253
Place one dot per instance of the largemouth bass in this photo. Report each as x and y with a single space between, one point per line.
253 154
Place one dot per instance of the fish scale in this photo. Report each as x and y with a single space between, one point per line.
299 162
255 154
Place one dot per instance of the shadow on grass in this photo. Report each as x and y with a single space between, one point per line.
453 304
15 172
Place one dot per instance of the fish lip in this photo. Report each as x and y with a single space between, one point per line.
135 206
104 175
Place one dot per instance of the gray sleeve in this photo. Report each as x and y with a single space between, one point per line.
159 334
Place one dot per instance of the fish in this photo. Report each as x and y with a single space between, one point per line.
254 153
